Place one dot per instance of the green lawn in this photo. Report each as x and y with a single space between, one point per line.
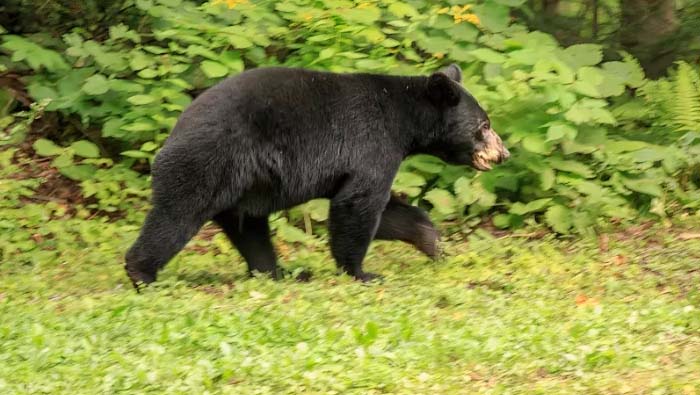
506 315
498 315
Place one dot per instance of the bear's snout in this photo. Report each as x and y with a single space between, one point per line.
490 151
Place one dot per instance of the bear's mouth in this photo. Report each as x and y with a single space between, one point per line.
492 153
480 162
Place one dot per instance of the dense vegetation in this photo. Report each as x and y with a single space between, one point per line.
89 90
594 141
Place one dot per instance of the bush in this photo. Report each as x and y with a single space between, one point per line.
567 115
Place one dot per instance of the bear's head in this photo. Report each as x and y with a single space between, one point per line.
465 135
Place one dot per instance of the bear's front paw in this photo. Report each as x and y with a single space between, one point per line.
428 241
366 277
139 278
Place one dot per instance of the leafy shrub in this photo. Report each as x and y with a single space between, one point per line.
576 161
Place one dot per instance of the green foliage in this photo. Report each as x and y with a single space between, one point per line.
116 189
576 162
65 157
14 128
675 101
34 55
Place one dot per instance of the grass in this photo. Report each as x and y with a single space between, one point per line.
619 315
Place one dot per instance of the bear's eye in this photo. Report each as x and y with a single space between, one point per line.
483 129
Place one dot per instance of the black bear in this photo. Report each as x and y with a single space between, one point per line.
272 138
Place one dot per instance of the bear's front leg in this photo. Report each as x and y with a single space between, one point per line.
353 220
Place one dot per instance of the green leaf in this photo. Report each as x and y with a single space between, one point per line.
317 209
435 44
465 192
139 100
409 183
44 147
213 69
558 131
651 154
125 86
535 143
571 166
645 186
390 43
634 73
198 50
493 16
78 172
425 163
580 55
122 31
363 16
327 53
86 149
620 146
526 56
531 207
559 218
140 61
626 73
232 60
96 85
547 178
584 111
592 75
443 201
239 42
401 10
291 233
553 70
320 38
148 73
501 221
116 61
464 32
149 146
586 88
137 154
488 55
63 160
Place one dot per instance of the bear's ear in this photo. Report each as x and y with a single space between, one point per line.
442 90
454 72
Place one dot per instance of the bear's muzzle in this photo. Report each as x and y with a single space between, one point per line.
491 151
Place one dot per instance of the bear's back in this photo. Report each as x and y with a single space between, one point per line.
278 106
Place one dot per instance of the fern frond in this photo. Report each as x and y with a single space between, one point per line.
675 100
686 111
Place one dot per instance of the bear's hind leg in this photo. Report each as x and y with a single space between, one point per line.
251 236
410 224
163 235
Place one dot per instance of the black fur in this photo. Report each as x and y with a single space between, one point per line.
272 138
410 224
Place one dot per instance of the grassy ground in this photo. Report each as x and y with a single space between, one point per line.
618 315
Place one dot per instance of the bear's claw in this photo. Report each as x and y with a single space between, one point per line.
139 279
